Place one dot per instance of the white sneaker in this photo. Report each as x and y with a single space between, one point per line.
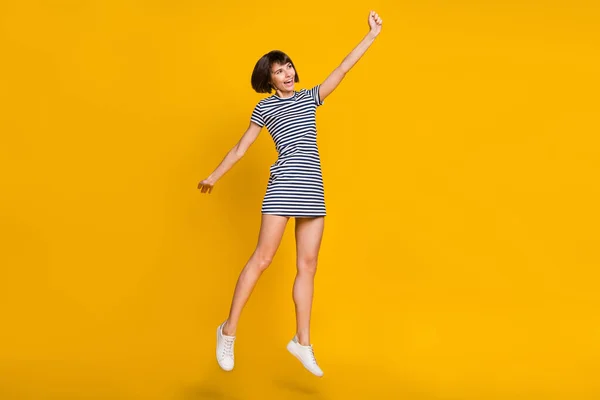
225 349
306 356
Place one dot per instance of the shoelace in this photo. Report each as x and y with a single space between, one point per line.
312 355
228 347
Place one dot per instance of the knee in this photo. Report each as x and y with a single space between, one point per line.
307 265
262 260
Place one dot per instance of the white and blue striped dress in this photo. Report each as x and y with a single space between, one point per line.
295 186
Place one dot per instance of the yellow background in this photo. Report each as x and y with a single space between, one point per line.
461 162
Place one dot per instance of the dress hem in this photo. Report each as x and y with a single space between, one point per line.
294 215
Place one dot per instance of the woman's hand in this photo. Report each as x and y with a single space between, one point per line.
375 23
206 186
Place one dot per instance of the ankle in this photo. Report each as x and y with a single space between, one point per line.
303 339
227 330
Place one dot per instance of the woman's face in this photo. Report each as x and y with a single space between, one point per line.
283 77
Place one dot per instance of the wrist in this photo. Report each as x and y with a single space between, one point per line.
372 35
211 180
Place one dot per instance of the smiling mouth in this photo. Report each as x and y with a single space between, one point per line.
288 82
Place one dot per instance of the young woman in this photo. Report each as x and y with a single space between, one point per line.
294 189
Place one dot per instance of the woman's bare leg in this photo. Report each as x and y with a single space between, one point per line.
271 231
309 232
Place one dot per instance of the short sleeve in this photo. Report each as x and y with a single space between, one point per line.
257 117
314 94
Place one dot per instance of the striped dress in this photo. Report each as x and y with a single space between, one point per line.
295 186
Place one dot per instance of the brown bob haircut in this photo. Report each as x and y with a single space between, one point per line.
261 76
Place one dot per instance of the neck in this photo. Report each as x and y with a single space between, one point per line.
284 94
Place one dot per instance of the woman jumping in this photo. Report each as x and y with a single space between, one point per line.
294 189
